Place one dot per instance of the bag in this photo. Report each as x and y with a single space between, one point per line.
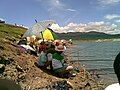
56 64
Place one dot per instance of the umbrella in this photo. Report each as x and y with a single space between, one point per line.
48 34
38 27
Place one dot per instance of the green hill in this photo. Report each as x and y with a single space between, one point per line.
87 35
11 31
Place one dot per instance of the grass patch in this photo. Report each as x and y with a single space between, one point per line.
10 31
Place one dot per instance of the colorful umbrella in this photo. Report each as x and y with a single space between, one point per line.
49 34
38 27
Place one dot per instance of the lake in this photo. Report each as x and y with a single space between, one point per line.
97 55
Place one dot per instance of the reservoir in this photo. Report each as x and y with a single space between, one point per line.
98 56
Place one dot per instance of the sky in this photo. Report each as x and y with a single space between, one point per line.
70 15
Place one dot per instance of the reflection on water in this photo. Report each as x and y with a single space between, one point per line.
97 55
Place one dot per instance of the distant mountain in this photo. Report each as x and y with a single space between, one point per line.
87 35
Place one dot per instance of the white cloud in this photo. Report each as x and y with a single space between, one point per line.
96 23
112 16
72 10
117 21
54 26
72 25
108 2
52 3
2 19
56 3
114 25
91 26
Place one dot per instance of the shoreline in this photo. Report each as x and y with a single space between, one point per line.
98 40
20 67
101 75
23 71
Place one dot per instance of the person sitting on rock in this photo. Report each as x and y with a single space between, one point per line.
42 47
45 57
58 64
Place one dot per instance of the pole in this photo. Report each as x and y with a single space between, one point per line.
35 20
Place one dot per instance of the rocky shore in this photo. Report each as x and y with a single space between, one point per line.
20 67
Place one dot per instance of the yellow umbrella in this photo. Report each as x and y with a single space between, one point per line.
48 34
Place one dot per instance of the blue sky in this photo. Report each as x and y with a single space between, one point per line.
62 11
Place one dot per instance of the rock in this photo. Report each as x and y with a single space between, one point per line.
4 60
22 77
2 47
59 85
2 68
22 85
2 65
19 69
70 85
8 77
11 59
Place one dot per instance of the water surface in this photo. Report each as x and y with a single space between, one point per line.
97 56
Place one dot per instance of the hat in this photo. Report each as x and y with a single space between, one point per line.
56 42
60 48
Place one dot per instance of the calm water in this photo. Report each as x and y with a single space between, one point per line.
97 55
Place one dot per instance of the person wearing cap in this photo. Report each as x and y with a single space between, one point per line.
58 64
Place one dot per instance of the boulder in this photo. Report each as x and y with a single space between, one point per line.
2 68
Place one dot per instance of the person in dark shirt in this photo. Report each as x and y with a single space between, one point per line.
116 66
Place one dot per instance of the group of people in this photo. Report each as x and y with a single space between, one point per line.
50 54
